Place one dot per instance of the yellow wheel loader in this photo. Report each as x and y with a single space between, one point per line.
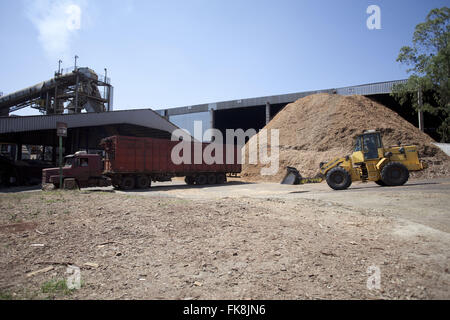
370 161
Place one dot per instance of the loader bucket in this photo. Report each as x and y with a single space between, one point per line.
292 176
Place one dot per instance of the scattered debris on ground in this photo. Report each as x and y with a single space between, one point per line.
151 247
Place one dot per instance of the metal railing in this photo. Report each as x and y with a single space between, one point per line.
101 78
67 70
104 79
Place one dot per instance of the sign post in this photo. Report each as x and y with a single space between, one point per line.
61 131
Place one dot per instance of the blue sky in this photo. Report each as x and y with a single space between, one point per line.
174 53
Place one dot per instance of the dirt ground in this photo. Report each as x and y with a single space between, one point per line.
239 241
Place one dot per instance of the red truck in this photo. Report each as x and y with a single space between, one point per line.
132 162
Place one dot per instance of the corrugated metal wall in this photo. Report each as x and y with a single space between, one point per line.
369 89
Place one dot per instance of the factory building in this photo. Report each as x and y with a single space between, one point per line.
76 98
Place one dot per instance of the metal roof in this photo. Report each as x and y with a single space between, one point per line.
142 117
370 89
363 89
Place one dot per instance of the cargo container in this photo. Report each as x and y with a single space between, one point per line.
135 162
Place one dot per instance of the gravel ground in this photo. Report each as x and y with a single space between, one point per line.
130 246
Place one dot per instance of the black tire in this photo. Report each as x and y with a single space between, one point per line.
116 181
212 179
190 180
394 174
338 178
70 184
221 178
201 179
143 182
127 183
380 183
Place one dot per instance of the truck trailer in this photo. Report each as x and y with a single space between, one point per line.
132 162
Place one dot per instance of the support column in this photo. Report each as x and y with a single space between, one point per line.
55 101
267 112
76 94
19 152
212 118
87 139
46 102
54 149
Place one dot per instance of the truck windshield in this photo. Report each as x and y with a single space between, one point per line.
69 162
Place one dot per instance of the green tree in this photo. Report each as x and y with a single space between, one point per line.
429 65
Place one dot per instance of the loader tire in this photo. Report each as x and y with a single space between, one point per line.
394 174
380 183
339 179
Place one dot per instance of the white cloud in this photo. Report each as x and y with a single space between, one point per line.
57 23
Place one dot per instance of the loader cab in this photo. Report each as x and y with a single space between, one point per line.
367 144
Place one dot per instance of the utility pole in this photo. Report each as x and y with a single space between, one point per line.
59 67
76 57
61 131
419 110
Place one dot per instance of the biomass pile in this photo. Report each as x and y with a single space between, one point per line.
320 127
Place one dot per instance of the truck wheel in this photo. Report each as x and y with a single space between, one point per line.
212 179
338 178
189 180
143 182
116 181
221 178
380 183
201 179
127 183
394 174
70 184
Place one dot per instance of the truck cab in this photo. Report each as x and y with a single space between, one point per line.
83 169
